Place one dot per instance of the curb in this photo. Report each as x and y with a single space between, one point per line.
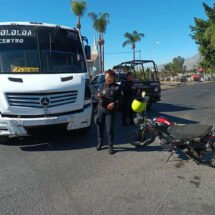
166 85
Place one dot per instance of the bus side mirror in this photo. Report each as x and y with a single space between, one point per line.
87 50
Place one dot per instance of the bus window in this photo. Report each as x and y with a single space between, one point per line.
61 51
40 49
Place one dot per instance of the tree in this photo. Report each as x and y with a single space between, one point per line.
100 22
169 67
176 66
78 8
178 63
132 38
203 32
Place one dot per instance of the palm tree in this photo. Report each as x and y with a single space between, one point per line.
100 22
132 38
78 8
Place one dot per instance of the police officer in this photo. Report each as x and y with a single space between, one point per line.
109 99
129 91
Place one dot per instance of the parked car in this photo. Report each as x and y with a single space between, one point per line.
100 79
198 76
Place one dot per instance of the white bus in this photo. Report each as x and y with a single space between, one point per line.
43 78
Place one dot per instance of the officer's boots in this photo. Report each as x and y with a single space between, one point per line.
111 151
99 144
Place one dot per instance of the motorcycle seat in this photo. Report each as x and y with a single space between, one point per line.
189 131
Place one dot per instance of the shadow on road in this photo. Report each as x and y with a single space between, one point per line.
165 107
54 140
159 109
59 140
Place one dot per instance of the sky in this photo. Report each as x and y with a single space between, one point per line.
165 24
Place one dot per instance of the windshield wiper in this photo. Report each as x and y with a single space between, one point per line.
52 37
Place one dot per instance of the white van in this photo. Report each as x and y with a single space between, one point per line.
43 78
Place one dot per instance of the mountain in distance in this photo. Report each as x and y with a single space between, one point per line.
190 62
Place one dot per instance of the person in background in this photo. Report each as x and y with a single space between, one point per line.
129 91
109 95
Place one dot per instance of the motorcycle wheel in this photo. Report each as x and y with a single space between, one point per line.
142 138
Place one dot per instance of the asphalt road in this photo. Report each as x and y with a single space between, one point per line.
64 174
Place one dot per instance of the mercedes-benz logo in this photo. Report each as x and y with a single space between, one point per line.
44 101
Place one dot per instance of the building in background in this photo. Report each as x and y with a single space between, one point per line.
93 63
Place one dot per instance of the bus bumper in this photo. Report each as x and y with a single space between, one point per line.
20 126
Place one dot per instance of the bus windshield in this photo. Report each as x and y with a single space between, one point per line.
40 49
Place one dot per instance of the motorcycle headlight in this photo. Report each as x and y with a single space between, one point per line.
143 94
138 120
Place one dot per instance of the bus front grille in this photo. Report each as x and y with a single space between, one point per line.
41 100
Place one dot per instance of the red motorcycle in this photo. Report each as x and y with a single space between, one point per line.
197 141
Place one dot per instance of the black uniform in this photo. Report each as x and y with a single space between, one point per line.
129 92
110 93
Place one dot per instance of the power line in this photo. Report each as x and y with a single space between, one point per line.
121 52
118 52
